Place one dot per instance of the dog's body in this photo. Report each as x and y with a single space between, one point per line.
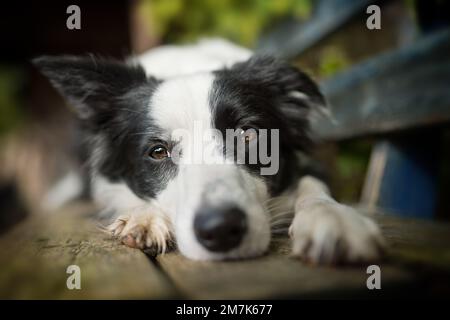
140 117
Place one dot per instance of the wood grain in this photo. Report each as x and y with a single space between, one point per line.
34 258
274 276
413 245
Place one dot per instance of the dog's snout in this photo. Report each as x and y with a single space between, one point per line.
220 229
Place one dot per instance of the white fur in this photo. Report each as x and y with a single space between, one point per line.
206 55
147 226
65 190
178 104
184 194
324 231
319 225
114 197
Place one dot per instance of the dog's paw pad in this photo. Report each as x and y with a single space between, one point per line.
135 237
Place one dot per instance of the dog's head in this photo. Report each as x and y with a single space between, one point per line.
211 148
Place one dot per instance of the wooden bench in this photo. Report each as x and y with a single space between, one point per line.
399 97
36 254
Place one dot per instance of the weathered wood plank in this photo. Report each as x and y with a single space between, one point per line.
417 242
277 275
273 276
395 91
34 258
289 40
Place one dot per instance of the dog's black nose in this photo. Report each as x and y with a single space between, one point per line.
220 229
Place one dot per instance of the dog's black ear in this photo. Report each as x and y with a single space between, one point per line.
89 84
296 95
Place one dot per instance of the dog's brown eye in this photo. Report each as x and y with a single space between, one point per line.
248 134
159 153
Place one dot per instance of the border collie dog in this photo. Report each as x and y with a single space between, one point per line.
158 129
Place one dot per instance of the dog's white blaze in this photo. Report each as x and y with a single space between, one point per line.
223 184
179 104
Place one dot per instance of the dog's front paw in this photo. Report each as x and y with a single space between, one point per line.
326 232
143 230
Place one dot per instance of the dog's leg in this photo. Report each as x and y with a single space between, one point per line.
326 232
146 227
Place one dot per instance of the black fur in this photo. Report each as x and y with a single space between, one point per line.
257 93
111 100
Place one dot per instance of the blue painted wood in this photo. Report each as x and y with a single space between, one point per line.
397 90
410 177
409 181
292 38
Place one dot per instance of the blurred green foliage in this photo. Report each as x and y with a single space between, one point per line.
333 60
351 166
241 21
412 5
10 105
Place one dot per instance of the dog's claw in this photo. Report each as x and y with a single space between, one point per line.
149 232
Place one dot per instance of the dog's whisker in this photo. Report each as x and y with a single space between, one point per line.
284 224
276 213
279 222
279 231
279 228
275 205
276 210
282 214
279 202
281 219
274 222
276 198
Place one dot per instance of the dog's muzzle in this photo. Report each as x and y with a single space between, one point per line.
220 229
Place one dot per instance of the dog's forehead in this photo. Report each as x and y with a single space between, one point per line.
179 102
